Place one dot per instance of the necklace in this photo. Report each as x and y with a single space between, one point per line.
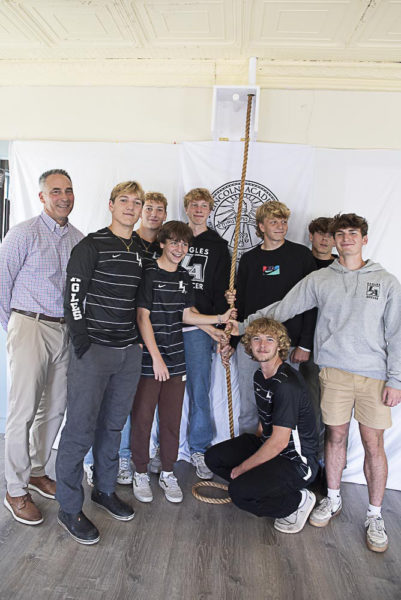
146 247
127 246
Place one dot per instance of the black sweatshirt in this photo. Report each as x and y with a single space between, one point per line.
102 282
208 264
265 276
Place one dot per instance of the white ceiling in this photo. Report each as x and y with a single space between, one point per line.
180 34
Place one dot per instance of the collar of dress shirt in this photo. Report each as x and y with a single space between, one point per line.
53 225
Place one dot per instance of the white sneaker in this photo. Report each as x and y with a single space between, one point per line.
172 491
324 511
141 487
88 468
155 465
295 522
202 471
376 536
124 476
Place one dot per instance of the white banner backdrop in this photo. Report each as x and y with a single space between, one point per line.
311 181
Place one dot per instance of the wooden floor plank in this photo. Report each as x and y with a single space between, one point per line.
198 551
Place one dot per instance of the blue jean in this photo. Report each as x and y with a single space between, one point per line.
125 446
198 357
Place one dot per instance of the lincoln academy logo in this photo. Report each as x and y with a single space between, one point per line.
222 219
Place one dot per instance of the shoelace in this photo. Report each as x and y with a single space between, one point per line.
141 478
124 464
171 481
376 524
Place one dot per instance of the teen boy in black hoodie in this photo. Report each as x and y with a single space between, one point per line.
208 264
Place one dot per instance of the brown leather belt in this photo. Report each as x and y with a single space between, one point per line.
39 316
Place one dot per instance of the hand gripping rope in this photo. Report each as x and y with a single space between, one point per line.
222 486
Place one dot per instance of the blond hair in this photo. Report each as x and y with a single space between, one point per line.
198 194
267 327
156 197
270 210
127 187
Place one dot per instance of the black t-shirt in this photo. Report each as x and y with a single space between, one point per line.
283 400
165 294
148 250
102 282
265 276
322 264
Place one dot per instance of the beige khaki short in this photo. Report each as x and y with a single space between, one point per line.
342 391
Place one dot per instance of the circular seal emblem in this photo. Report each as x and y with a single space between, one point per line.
224 214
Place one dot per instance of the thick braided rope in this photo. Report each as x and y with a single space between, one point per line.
235 250
202 498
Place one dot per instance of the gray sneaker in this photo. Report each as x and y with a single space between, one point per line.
141 487
169 485
202 471
124 476
324 511
376 536
295 522
155 465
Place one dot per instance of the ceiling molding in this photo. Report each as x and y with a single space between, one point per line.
203 73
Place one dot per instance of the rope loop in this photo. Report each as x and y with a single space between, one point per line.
212 484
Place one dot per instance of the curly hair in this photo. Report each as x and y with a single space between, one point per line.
267 327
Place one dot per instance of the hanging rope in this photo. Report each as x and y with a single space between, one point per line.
235 251
197 495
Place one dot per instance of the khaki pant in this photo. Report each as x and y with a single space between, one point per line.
38 358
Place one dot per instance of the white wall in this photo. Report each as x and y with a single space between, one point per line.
336 119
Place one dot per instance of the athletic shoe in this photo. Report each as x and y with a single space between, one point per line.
112 504
376 536
141 487
79 527
170 486
155 465
202 471
23 509
88 468
324 511
124 476
295 522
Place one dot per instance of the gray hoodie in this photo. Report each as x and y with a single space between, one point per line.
358 326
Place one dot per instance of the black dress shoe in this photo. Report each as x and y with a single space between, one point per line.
79 527
113 505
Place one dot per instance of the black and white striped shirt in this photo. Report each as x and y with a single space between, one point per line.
102 283
166 294
283 400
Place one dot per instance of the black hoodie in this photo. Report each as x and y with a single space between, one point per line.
208 263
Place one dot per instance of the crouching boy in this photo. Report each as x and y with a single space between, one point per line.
268 471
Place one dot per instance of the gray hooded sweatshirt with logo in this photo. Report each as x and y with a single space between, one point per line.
358 326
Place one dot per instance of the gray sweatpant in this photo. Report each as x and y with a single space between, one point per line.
100 391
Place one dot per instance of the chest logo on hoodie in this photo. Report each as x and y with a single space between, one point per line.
196 264
373 290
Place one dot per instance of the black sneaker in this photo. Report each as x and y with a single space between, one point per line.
113 505
79 527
